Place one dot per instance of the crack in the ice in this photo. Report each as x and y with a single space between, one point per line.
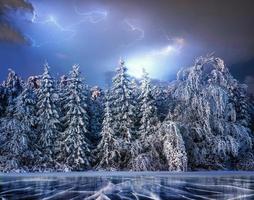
127 188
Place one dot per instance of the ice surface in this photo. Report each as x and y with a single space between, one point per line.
128 185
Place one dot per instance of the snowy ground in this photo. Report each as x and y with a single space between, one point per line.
128 185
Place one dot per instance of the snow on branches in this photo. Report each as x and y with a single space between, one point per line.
200 121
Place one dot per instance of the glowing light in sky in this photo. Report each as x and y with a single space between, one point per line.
153 61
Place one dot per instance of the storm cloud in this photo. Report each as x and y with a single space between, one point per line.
7 31
95 34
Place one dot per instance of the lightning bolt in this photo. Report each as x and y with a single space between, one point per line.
175 46
91 17
177 42
134 28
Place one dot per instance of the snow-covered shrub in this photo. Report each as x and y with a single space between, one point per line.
246 162
146 162
210 98
173 147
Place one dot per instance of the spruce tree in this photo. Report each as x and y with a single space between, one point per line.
121 103
14 142
13 86
75 143
25 113
143 153
162 100
48 120
149 121
108 150
13 145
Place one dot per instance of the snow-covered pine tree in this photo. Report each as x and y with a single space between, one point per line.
75 145
25 113
13 86
48 120
242 106
122 102
148 112
135 92
108 150
144 155
14 145
14 132
123 112
62 90
162 100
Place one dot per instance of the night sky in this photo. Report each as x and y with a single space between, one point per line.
161 36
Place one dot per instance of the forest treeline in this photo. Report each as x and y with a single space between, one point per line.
202 120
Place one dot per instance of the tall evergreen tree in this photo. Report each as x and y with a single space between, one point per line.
143 152
135 92
48 119
121 103
14 142
162 100
13 86
25 113
108 150
148 111
75 146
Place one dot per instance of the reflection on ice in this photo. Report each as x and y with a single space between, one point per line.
117 185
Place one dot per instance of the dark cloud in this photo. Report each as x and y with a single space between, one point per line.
7 31
244 71
16 4
223 26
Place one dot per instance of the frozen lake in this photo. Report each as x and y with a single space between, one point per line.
128 185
